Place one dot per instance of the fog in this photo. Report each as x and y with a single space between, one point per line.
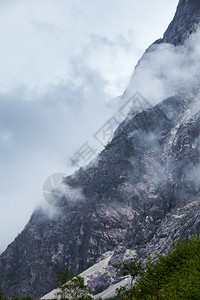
167 70
61 63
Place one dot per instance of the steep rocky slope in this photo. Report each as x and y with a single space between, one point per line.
185 22
142 193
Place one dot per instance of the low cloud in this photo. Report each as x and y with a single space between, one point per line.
167 70
61 61
39 135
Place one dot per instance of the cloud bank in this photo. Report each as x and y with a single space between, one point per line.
167 70
61 61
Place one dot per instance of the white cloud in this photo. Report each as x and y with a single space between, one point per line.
168 70
39 37
61 61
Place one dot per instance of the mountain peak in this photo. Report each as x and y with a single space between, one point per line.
141 193
185 22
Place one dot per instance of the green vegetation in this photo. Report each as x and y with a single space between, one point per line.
63 276
129 150
12 275
108 146
118 136
74 289
127 145
2 294
120 133
175 275
133 269
4 297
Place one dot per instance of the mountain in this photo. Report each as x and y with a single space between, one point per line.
140 194
185 22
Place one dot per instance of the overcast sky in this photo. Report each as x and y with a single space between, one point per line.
61 61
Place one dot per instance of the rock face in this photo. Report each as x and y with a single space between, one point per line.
185 22
142 194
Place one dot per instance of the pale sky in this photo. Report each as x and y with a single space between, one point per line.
61 62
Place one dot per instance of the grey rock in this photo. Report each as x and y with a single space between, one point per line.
185 22
141 196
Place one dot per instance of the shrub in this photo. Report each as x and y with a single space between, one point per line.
175 275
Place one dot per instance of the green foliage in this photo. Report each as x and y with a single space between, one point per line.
129 150
4 297
2 294
11 277
119 135
63 276
23 298
121 292
108 146
173 276
133 269
74 289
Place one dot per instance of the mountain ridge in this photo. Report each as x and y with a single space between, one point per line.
140 195
185 22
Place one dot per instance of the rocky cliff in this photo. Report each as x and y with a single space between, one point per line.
185 22
141 193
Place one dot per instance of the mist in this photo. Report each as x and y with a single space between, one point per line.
61 64
167 70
